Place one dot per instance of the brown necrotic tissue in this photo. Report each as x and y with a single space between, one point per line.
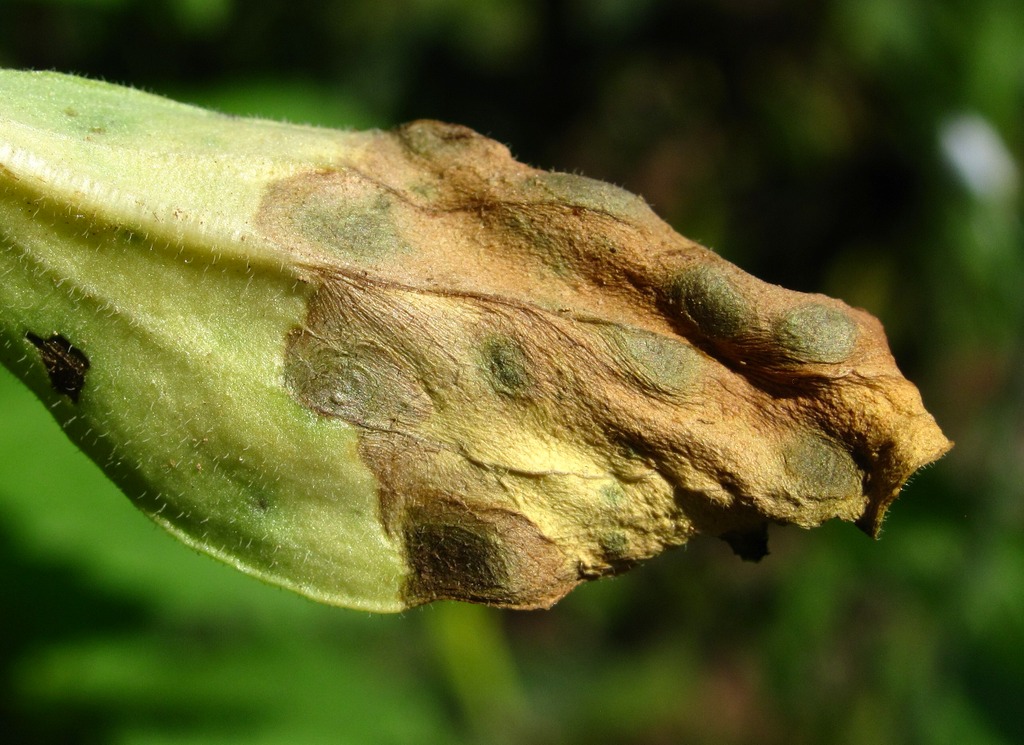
551 384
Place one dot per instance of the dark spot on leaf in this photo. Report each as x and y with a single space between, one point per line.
817 333
426 137
457 561
821 469
65 364
750 544
505 365
345 365
483 556
592 194
708 298
654 360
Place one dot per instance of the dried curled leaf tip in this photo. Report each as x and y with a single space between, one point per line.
394 367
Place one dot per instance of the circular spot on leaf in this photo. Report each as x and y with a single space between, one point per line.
817 333
711 302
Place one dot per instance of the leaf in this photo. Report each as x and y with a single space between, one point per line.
383 368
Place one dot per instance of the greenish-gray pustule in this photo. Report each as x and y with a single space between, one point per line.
505 365
821 468
711 302
655 361
817 333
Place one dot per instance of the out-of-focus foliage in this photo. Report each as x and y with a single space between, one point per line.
866 148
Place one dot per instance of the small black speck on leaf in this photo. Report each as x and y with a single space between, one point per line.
65 364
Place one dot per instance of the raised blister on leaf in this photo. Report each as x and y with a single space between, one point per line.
385 368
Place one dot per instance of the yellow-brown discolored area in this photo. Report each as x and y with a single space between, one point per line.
550 384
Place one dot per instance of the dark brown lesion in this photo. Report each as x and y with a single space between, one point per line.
481 555
65 363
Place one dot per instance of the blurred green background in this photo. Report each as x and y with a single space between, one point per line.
869 149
